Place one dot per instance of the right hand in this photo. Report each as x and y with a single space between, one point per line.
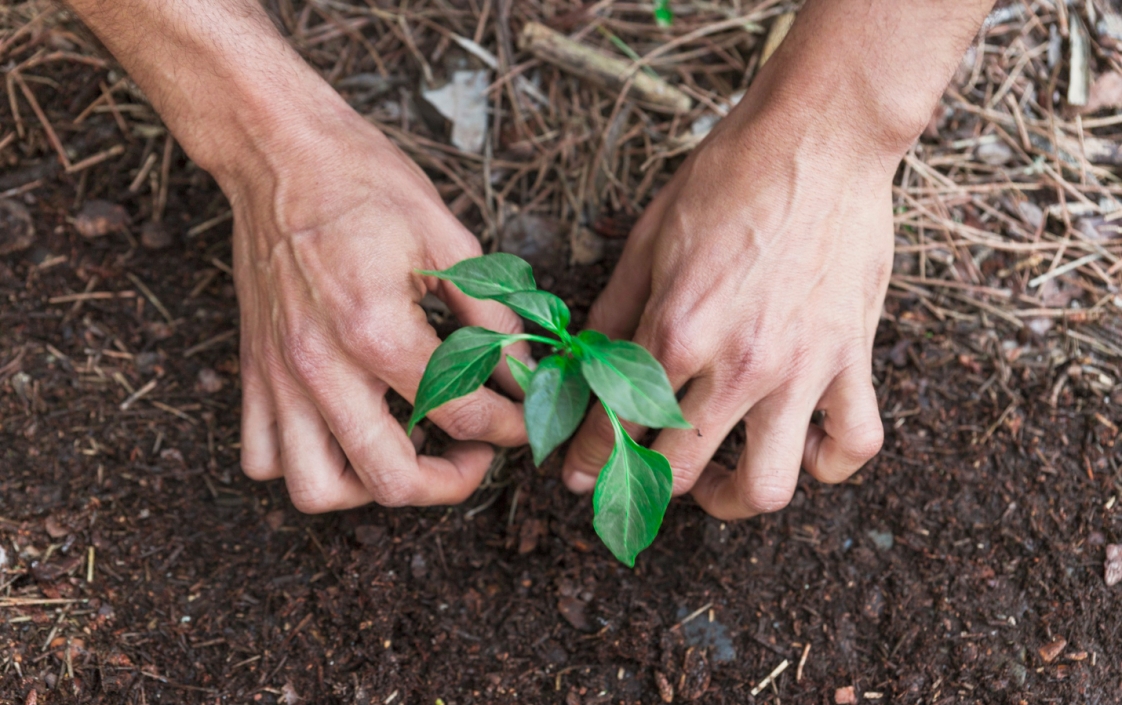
327 239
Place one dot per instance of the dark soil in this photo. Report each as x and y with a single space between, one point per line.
936 575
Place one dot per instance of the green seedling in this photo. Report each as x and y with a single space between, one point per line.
633 489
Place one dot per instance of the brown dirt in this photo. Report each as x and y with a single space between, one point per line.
945 571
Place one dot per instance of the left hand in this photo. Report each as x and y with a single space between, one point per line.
756 277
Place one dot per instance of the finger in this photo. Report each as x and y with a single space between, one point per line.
260 454
383 457
852 431
616 311
493 316
316 471
768 471
714 412
398 348
588 452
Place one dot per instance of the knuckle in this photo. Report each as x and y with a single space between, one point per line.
467 420
748 363
367 337
389 490
256 468
765 497
864 441
679 342
305 356
311 499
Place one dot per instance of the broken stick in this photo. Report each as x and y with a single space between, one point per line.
600 68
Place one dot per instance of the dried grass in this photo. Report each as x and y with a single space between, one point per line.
1007 210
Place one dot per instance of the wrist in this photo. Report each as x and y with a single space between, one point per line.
833 108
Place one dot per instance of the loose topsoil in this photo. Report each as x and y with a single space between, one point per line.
137 565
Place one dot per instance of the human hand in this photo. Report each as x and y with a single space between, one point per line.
325 251
331 223
756 277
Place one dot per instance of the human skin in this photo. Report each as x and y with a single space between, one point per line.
331 222
756 276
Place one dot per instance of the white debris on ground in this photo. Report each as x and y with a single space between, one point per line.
463 101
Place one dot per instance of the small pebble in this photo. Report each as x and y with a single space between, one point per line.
208 381
154 236
845 696
369 534
275 519
994 153
418 566
1113 564
883 540
98 218
573 610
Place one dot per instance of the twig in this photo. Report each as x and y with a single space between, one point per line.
770 677
692 615
92 296
150 296
802 662
210 342
206 224
132 398
51 136
600 68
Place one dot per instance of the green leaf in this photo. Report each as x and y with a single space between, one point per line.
520 371
631 496
628 379
458 367
541 307
488 276
663 15
555 404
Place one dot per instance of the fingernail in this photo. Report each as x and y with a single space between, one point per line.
579 482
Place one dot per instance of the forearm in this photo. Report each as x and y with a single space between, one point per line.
871 69
224 81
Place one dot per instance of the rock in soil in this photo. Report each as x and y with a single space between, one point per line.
574 612
16 229
208 381
99 218
155 236
1113 564
845 696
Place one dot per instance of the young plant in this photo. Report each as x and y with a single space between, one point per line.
633 489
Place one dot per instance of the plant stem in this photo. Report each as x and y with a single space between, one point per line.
615 421
535 338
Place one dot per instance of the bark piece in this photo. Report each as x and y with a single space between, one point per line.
1050 651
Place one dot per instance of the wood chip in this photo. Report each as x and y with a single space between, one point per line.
1050 651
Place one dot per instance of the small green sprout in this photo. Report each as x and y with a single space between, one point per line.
634 486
